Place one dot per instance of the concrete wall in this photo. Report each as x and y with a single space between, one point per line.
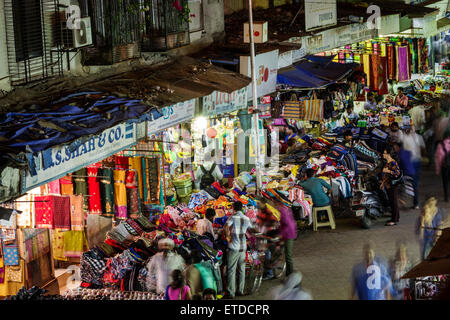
4 72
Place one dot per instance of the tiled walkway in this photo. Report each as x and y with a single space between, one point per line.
326 257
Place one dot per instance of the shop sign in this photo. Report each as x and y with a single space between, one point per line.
266 72
61 160
172 115
320 14
427 25
221 102
353 33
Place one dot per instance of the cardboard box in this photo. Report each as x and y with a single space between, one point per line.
260 32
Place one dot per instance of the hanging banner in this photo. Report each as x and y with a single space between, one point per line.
266 72
172 115
58 161
221 102
320 14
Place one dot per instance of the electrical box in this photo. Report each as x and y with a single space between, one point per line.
260 31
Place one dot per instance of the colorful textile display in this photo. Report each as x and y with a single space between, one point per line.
75 243
107 192
2 269
132 194
366 64
12 287
151 177
293 110
120 194
391 62
76 213
61 214
11 255
25 204
51 188
66 185
122 162
95 206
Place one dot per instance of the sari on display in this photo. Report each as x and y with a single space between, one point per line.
120 194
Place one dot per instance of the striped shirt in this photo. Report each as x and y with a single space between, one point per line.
238 225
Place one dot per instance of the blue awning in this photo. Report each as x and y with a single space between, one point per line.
298 78
323 67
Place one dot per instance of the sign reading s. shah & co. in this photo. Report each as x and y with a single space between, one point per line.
58 161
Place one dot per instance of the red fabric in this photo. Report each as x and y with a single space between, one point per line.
61 214
383 77
122 162
95 205
391 62
44 212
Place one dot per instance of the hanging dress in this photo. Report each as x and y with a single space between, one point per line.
81 187
120 194
107 192
132 194
66 185
95 206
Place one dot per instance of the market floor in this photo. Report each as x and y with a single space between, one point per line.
326 257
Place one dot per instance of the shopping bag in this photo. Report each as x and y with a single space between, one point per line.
293 110
313 109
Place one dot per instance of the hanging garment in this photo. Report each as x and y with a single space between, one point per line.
51 188
95 206
61 214
375 65
120 194
122 162
58 245
107 192
367 67
11 255
2 269
151 180
391 62
66 185
81 187
76 213
402 64
132 194
383 76
136 164
75 243
44 211
12 287
25 204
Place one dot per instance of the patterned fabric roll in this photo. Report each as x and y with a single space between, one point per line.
391 62
366 64
95 206
107 192
120 194
403 63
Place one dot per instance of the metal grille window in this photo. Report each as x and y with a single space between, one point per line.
166 24
29 30
116 30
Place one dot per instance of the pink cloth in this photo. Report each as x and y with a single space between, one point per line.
439 156
174 294
288 226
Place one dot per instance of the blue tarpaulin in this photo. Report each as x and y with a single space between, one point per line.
294 77
62 121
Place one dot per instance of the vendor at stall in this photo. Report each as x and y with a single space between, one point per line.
401 99
371 103
349 116
314 187
207 173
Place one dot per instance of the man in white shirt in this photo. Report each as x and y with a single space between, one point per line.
414 143
349 116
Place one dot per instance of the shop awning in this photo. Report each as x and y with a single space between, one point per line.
437 262
294 77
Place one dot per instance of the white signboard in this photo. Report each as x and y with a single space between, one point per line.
172 115
222 102
56 162
390 24
320 14
285 59
266 72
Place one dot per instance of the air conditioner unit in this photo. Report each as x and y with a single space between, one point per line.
80 34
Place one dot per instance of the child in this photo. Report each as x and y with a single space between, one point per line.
209 294
177 290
